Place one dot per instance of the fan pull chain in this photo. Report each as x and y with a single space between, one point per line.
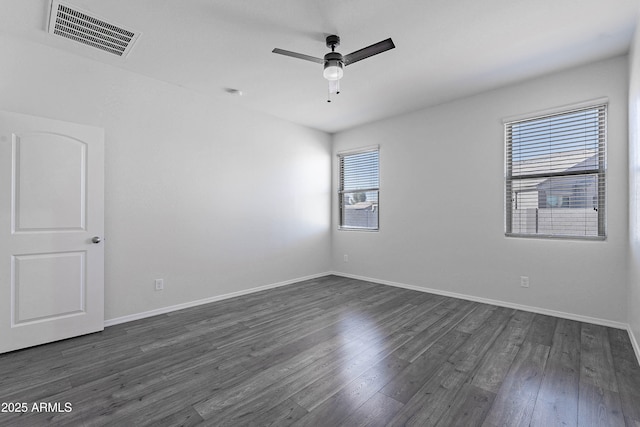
334 87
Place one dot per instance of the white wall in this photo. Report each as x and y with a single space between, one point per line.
634 190
441 203
209 196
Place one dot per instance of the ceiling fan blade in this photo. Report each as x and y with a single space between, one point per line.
368 51
298 55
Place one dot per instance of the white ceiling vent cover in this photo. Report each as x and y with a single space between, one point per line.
75 24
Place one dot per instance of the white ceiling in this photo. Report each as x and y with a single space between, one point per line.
445 49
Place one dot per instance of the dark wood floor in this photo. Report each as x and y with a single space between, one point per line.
330 352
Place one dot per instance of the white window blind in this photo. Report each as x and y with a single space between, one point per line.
359 191
555 174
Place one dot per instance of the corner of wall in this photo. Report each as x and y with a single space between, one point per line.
633 299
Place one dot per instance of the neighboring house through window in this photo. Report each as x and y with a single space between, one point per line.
555 174
359 189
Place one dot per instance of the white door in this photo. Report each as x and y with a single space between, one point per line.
51 216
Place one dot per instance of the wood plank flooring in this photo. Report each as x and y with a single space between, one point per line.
330 352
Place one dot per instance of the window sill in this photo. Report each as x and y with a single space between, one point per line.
556 237
368 230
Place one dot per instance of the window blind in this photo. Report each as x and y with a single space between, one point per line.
359 191
555 174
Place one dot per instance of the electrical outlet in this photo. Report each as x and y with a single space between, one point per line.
524 281
346 258
159 284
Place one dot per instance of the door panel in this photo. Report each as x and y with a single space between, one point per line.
47 286
51 206
49 182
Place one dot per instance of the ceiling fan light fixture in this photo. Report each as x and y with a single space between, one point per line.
333 70
333 66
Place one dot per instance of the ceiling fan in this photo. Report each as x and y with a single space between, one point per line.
335 62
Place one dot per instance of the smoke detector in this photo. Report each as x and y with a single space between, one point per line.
84 27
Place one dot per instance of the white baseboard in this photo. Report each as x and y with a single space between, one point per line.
539 310
634 342
169 309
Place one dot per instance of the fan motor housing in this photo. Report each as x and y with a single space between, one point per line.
333 57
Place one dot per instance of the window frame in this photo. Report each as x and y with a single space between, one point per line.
341 191
602 106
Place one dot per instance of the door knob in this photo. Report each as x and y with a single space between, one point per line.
96 239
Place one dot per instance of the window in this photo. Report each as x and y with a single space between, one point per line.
555 174
359 189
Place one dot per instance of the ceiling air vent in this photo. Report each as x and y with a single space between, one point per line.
72 23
